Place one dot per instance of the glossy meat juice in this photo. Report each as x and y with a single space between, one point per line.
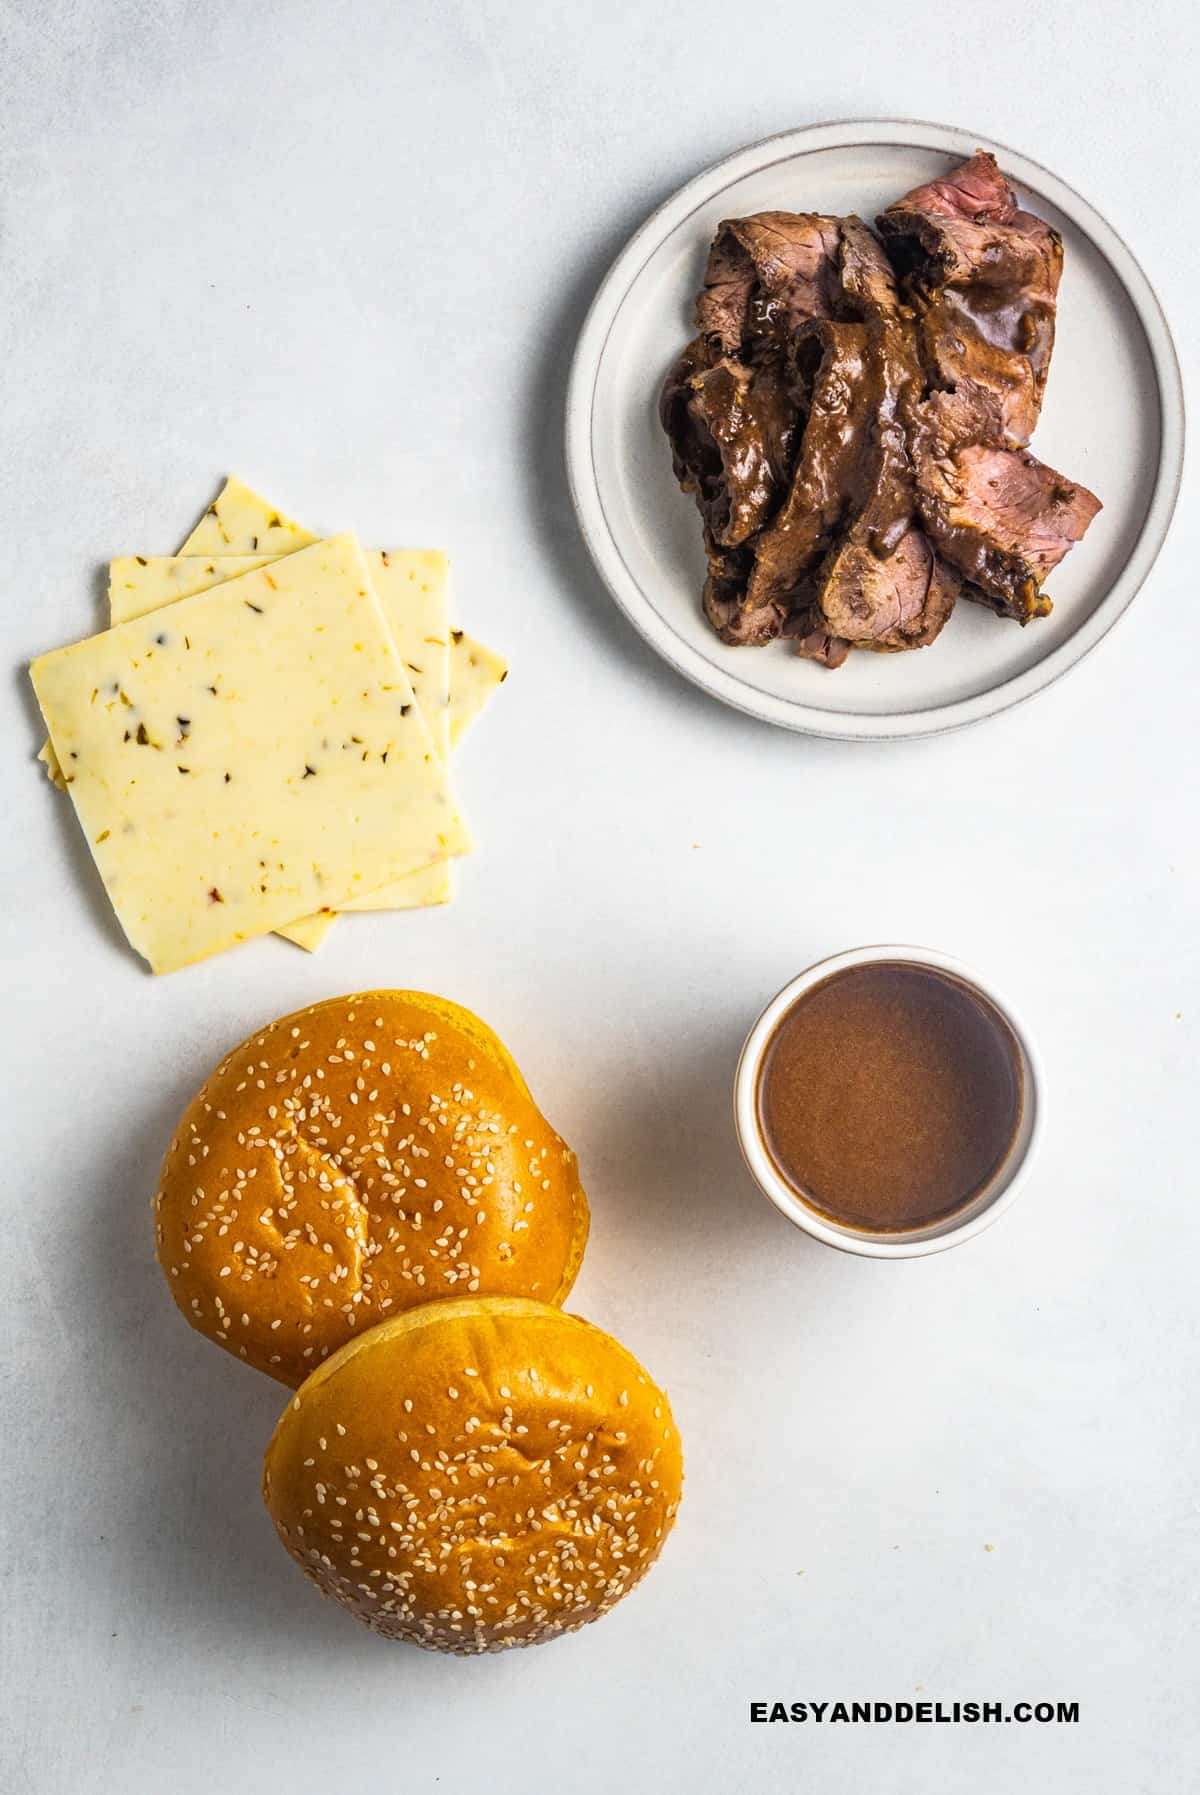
889 1096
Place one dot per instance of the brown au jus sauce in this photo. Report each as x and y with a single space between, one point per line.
889 1095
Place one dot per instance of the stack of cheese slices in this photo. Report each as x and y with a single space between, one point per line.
262 738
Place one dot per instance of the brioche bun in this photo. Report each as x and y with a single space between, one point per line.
476 1475
354 1160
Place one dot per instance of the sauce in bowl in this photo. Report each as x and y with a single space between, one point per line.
890 1095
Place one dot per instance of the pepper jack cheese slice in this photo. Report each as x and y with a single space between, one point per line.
476 670
411 586
452 690
238 515
253 756
139 584
241 522
49 760
475 673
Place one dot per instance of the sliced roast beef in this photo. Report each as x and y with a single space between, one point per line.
728 405
731 429
976 190
813 641
866 278
982 277
845 552
765 275
890 603
1002 517
881 585
945 421
830 372
727 605
1005 520
890 493
852 415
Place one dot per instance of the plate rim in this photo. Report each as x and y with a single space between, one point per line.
586 362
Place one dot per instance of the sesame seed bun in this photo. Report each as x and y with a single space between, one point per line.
476 1475
362 1157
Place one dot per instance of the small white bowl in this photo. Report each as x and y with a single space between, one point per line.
911 1243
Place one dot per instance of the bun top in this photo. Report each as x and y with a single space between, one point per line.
361 1157
476 1475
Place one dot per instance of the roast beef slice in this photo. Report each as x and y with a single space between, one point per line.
1004 520
765 275
731 427
982 277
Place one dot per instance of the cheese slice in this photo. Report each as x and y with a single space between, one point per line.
411 586
139 584
452 689
255 756
239 522
307 932
409 583
475 673
49 760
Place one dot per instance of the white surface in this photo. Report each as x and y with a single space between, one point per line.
1113 418
345 251
1015 1174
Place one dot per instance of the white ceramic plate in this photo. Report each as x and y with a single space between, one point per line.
1113 419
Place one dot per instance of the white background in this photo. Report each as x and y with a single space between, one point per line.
344 250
